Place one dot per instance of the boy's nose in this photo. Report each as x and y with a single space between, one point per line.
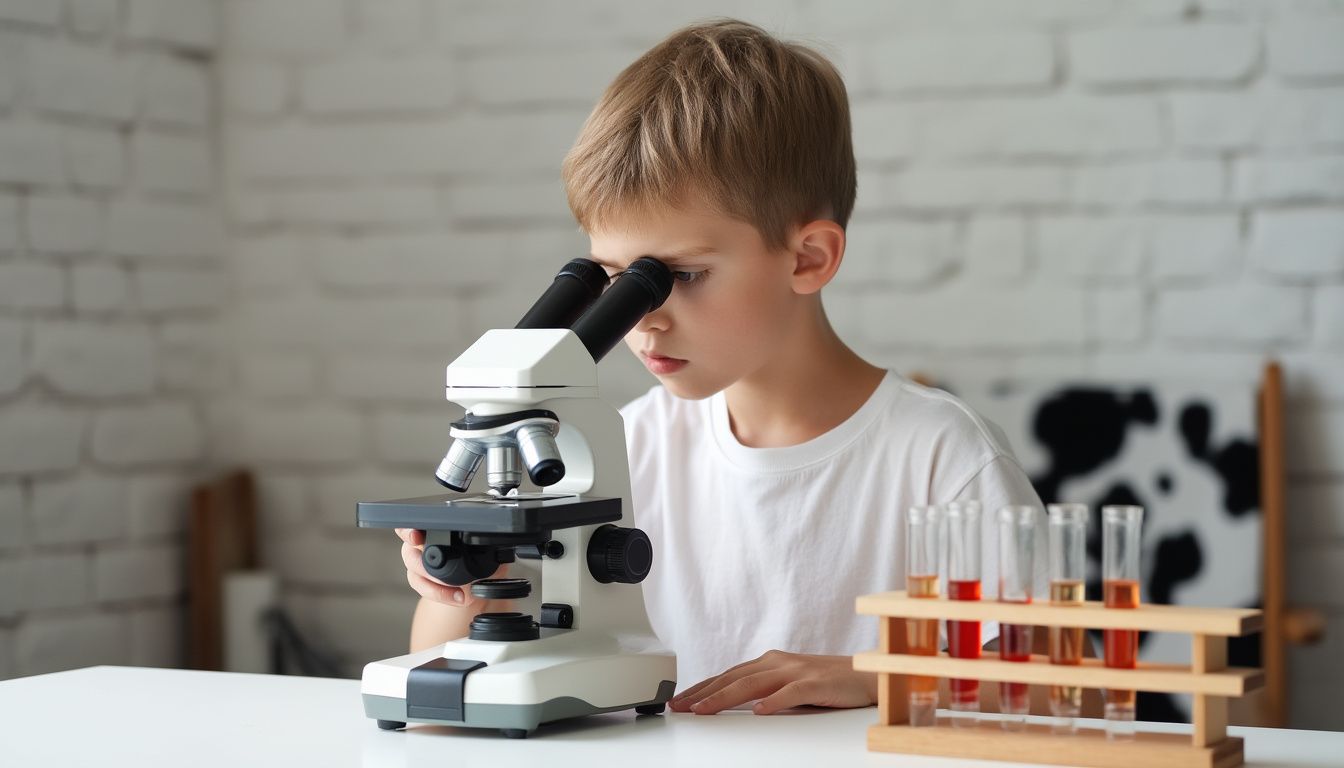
657 320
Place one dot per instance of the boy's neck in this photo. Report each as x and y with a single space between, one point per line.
812 386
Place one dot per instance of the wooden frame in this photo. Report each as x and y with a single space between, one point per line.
1284 624
1208 678
221 537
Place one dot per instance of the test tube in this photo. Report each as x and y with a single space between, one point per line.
1120 540
963 583
1068 570
1017 549
924 548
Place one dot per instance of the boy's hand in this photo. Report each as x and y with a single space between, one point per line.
782 680
412 547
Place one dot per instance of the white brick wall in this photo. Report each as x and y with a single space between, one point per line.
378 85
1305 243
1304 49
109 237
1083 187
94 360
161 433
1206 53
87 508
187 24
61 641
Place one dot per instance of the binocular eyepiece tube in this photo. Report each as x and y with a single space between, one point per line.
575 287
579 299
640 289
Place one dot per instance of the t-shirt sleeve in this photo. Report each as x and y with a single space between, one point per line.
637 415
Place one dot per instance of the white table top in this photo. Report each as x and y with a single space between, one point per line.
124 716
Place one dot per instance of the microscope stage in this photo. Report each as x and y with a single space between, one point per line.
526 513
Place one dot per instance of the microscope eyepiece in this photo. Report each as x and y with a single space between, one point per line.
575 287
641 288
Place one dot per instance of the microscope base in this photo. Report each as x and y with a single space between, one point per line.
516 686
514 720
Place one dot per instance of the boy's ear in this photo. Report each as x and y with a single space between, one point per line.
818 247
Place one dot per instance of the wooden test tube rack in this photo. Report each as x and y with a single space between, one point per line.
1208 678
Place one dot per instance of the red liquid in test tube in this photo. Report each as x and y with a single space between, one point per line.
963 583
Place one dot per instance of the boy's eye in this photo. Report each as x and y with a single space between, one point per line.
685 278
688 278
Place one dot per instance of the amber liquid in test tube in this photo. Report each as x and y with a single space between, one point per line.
1120 541
924 547
963 583
1017 545
1068 569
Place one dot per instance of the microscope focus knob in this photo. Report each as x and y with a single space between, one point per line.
619 554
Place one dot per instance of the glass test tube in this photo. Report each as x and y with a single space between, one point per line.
924 547
1017 549
1068 571
1120 542
963 583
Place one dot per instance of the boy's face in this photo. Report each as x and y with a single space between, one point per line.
732 298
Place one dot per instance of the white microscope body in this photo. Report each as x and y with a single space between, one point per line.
531 399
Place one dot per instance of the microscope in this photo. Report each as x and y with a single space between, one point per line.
530 395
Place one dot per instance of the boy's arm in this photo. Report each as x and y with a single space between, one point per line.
444 612
436 623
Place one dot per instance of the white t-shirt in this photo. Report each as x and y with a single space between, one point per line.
766 548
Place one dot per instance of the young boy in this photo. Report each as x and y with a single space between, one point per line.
773 466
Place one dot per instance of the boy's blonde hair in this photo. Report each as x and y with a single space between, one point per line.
756 126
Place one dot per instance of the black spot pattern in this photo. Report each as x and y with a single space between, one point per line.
1082 429
1237 464
1177 558
1164 483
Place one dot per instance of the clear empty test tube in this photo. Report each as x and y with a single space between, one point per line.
923 558
1017 555
1120 541
963 583
1068 570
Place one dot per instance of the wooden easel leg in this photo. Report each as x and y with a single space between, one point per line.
1273 510
1209 654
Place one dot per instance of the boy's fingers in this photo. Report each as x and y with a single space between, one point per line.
411 536
683 700
435 591
794 694
717 684
741 691
410 557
